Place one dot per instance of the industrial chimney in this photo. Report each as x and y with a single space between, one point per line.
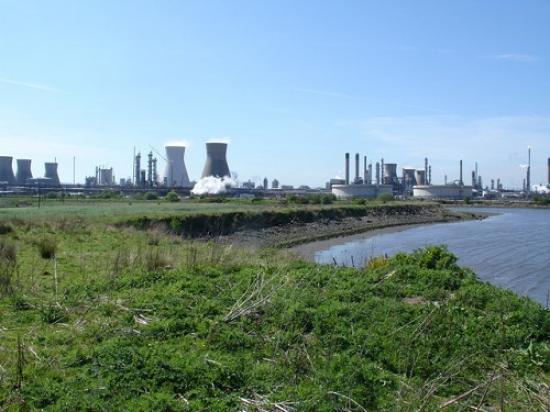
461 182
216 160
6 171
23 171
347 168
175 172
365 171
51 173
549 172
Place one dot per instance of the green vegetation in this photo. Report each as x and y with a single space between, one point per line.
385 197
126 319
172 197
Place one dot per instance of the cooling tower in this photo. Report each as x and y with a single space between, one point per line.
390 171
175 172
408 177
6 171
421 177
216 161
51 173
23 171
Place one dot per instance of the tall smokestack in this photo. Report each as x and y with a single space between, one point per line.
426 169
137 170
356 180
528 182
216 160
365 170
347 168
461 182
382 171
549 172
377 173
430 174
370 174
150 169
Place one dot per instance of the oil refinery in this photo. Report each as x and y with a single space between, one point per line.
369 180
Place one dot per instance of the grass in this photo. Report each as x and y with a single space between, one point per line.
124 319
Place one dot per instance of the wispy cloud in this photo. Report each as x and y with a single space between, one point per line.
323 93
515 57
28 85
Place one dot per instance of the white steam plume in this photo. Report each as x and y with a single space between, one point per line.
184 143
226 140
211 185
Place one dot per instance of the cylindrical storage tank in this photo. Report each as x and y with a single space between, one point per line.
6 171
23 171
216 160
421 177
176 172
51 173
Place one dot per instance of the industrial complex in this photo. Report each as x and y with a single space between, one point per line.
369 180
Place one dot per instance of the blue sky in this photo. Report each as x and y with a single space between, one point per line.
292 84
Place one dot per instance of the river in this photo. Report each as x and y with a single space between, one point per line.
510 248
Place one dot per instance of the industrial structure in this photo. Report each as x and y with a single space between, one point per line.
50 172
24 172
216 161
175 173
6 170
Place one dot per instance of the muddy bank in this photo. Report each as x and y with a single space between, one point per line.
288 236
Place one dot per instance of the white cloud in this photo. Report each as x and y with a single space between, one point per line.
515 57
28 85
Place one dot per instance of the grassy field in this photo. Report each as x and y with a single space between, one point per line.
96 316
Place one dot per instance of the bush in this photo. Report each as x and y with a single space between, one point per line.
5 228
151 196
172 197
8 252
47 247
385 197
359 201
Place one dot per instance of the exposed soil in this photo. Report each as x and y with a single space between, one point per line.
286 236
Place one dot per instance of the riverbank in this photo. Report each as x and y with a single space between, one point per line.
330 230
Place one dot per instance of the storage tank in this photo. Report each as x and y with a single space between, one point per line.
6 171
176 172
51 173
216 160
421 177
23 171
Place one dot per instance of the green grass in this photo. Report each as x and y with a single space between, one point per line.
125 319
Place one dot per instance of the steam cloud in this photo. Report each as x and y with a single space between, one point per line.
211 185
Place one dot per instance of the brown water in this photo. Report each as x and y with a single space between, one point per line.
510 249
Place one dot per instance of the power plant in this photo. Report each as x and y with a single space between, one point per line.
216 161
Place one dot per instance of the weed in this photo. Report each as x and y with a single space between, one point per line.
47 247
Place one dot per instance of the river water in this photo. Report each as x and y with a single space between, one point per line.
510 248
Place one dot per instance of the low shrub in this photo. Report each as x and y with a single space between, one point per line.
385 197
47 247
5 228
151 196
172 197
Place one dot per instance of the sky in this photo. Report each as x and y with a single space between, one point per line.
293 85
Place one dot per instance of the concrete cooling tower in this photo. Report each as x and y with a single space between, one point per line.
176 172
23 171
51 173
216 160
421 177
409 178
6 171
